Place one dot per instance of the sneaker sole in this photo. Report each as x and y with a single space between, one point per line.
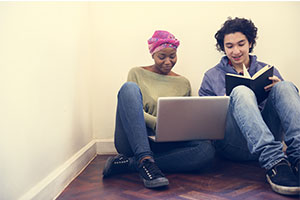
159 182
283 189
106 171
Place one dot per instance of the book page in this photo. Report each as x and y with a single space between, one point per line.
261 71
245 71
238 75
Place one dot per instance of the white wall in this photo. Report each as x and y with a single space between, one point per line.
44 82
121 29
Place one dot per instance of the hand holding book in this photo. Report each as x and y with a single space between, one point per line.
274 80
260 82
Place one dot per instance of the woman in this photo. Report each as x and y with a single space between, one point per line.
136 120
255 131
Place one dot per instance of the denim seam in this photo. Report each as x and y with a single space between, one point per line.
131 129
273 97
273 101
242 128
240 149
272 164
276 107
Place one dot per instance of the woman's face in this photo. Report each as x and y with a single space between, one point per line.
236 46
164 60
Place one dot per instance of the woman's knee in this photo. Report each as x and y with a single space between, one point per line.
129 87
129 90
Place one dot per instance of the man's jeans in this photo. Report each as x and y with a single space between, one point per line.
252 134
131 137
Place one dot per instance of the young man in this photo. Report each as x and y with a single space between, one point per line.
255 131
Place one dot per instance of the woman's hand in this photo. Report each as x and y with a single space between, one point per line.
274 80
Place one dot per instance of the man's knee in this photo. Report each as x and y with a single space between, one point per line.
284 86
241 90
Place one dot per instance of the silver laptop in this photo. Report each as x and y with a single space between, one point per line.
190 118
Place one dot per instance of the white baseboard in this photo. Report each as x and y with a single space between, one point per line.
51 186
105 146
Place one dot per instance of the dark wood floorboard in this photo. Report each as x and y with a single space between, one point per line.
225 180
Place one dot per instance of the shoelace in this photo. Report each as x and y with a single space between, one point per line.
121 160
152 169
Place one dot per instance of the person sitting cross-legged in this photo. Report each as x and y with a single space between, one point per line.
136 120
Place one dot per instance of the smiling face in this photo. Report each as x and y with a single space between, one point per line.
236 46
164 61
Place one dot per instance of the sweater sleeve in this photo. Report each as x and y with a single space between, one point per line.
132 76
150 120
189 89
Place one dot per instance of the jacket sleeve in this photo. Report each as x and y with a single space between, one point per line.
276 73
206 87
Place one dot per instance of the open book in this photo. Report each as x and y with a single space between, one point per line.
257 82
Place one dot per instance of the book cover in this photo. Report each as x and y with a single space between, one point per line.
257 82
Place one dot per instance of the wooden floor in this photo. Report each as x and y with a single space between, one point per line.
225 180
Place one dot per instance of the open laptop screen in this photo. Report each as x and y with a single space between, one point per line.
191 118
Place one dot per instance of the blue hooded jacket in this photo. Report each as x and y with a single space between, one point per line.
213 83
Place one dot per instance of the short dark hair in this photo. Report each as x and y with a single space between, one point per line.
242 25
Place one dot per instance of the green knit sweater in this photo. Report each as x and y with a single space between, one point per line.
155 85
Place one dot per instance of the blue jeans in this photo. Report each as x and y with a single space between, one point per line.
252 134
131 138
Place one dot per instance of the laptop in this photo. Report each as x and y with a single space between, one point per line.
190 118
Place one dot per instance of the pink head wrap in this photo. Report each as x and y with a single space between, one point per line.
161 40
